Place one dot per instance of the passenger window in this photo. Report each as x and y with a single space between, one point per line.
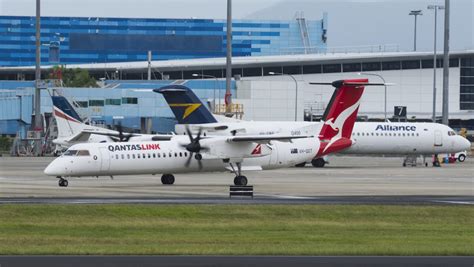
175 154
180 154
133 156
138 155
158 154
403 134
154 155
128 156
149 156
358 134
144 155
122 156
417 134
372 134
116 156
170 155
378 133
185 154
362 134
164 155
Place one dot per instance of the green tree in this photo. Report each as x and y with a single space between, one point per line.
73 77
5 143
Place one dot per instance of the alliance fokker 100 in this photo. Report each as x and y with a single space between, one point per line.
383 138
215 153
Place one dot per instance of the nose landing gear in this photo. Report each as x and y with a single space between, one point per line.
62 182
167 179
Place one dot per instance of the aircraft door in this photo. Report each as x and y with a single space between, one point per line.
104 159
438 138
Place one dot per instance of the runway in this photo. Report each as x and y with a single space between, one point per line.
325 200
346 180
233 261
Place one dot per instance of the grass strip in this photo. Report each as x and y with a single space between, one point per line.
236 229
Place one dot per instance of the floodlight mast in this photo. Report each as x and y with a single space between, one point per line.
415 13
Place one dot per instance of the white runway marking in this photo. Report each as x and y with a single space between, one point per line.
456 202
286 197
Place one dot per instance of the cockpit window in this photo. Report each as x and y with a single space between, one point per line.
451 133
70 153
77 153
83 153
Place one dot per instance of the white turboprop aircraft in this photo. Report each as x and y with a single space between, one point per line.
218 153
382 138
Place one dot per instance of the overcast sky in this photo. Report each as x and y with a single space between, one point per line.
351 22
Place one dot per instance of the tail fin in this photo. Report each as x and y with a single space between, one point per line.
186 106
68 121
340 116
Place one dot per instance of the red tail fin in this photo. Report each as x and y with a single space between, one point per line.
340 116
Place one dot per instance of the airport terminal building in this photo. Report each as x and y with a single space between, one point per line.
270 47
75 40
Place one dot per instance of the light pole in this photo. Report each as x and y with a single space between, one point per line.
415 13
214 91
385 91
296 90
435 7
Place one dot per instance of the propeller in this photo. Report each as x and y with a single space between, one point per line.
194 147
122 137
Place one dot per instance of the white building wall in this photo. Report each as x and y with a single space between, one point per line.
273 97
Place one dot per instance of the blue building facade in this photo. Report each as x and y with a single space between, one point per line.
75 40
128 102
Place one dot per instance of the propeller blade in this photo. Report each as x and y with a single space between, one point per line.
200 164
190 135
188 161
198 137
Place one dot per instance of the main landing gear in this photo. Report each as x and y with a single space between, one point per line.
318 163
62 182
239 178
167 179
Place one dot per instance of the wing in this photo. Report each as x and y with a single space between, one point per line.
115 135
264 139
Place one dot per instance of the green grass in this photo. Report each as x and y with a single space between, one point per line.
237 229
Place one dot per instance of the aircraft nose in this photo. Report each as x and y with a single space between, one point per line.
52 169
466 144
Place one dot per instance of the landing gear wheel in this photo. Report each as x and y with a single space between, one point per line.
461 158
318 163
404 164
63 182
167 179
198 156
240 180
301 165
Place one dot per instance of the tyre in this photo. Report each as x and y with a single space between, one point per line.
318 163
243 180
240 180
461 158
